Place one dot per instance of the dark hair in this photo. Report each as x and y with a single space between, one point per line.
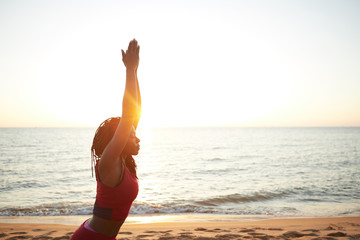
102 137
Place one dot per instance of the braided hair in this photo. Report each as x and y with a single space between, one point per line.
103 135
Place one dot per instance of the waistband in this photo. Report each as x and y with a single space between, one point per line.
84 234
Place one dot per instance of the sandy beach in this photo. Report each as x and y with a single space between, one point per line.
298 228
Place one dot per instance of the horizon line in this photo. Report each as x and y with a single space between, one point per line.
209 126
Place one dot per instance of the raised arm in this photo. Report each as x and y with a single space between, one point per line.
109 168
138 114
132 66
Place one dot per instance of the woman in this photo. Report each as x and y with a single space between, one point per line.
113 146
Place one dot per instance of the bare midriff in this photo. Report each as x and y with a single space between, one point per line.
105 227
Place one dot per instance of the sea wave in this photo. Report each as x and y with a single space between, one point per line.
215 159
216 205
240 198
144 208
138 208
51 209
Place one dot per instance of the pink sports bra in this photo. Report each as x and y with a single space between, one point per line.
114 203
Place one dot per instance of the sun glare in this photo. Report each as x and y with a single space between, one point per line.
219 65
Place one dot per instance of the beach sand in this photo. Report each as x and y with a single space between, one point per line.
299 228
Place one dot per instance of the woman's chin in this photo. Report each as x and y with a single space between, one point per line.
135 153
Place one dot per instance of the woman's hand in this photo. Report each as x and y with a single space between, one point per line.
131 57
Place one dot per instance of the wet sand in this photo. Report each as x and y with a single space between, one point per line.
299 228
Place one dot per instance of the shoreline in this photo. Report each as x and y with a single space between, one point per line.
191 227
76 220
169 229
143 218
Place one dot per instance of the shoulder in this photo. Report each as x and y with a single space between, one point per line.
111 177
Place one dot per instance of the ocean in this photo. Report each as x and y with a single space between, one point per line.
282 172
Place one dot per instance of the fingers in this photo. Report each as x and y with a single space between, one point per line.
133 46
130 57
123 54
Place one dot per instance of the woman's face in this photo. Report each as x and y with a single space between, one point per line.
132 147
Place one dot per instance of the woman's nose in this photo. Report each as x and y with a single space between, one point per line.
137 140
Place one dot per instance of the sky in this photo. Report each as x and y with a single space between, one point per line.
202 63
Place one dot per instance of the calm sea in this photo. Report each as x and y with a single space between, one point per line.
240 171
